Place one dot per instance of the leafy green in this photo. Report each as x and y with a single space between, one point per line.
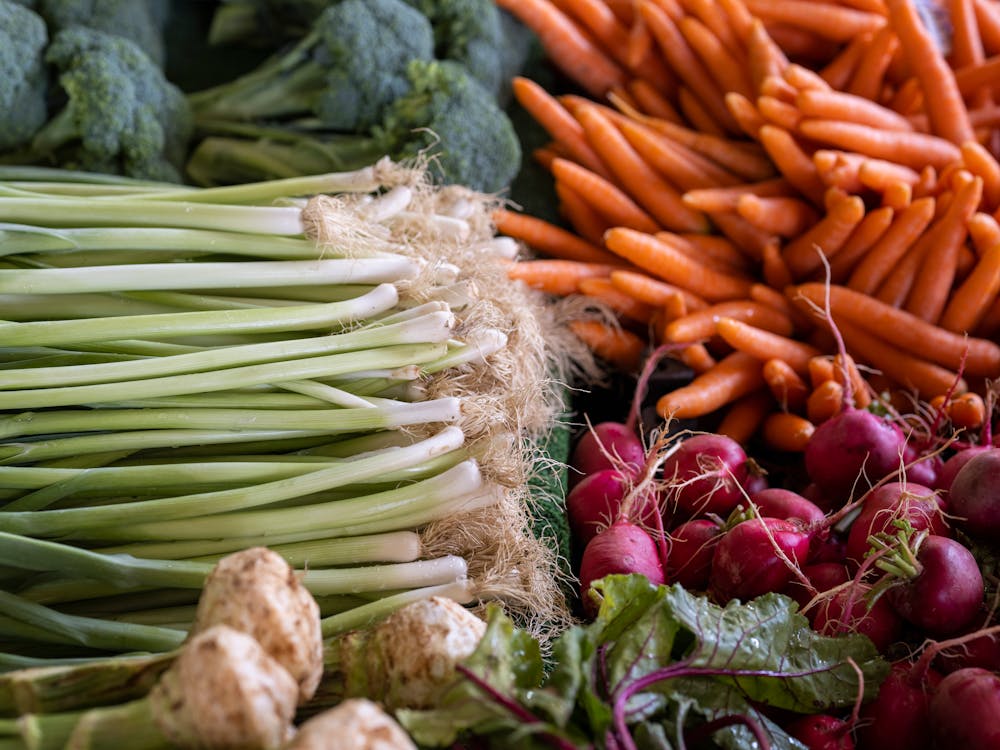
658 664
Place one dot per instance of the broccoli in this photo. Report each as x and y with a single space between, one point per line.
141 21
23 78
121 116
445 113
346 71
267 23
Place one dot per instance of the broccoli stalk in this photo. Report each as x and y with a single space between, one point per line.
346 71
445 114
23 79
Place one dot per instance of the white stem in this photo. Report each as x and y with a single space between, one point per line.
418 574
388 205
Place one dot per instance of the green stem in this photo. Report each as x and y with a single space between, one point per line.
417 574
367 614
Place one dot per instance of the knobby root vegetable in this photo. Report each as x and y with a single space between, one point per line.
355 724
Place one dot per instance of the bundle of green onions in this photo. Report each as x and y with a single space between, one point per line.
334 367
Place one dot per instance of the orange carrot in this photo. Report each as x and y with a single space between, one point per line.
845 370
715 199
967 411
876 265
714 16
553 276
825 238
695 112
682 245
619 347
839 71
777 112
838 105
825 401
604 196
787 432
697 358
834 22
787 217
879 174
550 239
820 371
970 301
558 123
733 377
979 161
779 87
774 269
765 58
699 325
721 250
665 262
904 330
864 237
641 181
786 386
869 75
651 101
652 291
944 240
583 217
911 149
745 416
745 112
839 169
897 196
567 46
774 299
601 288
966 44
984 231
722 65
946 109
988 21
792 161
742 21
765 345
899 283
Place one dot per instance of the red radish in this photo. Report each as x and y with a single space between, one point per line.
823 577
623 548
692 545
982 651
964 710
923 471
756 481
898 718
920 505
779 503
822 732
848 611
607 445
951 467
853 447
814 494
597 501
746 563
828 546
975 498
942 589
707 473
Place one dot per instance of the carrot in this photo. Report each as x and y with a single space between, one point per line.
839 169
743 234
680 165
652 291
554 276
733 377
774 299
980 162
778 87
683 61
825 401
651 101
714 199
988 21
619 347
864 237
880 175
899 283
745 416
834 22
904 330
911 149
745 112
839 71
966 43
546 110
970 301
787 432
765 58
697 114
774 270
697 358
984 230
908 369
869 75
906 227
616 206
725 68
644 184
601 288
946 109
585 220
740 19
699 325
802 45
792 161
550 239
943 241
765 345
860 393
786 386
838 105
777 112
967 411
720 249
897 196
714 16
787 217
682 245
825 238
820 370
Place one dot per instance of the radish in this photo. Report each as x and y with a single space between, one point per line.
622 547
921 506
607 445
978 651
692 545
951 467
822 732
822 576
848 611
921 469
898 718
974 497
780 503
964 710
747 563
597 500
707 473
942 587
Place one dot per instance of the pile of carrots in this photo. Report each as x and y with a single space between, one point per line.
758 185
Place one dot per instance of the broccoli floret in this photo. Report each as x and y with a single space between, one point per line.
445 114
141 21
23 78
346 71
121 116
